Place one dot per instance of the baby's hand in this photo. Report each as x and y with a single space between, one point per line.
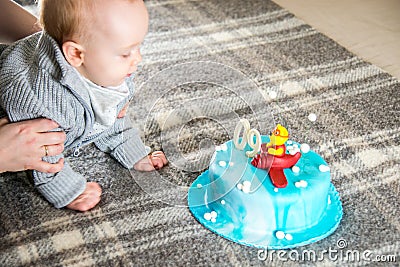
88 199
155 160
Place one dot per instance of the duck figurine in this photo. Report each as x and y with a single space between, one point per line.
273 157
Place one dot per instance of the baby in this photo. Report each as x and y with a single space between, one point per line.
77 72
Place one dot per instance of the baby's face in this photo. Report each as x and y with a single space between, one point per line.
113 51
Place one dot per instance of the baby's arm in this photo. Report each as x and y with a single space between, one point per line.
123 142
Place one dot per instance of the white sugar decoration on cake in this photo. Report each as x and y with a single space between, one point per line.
323 168
293 149
280 234
277 194
211 216
295 169
246 187
222 163
304 148
301 184
207 216
288 237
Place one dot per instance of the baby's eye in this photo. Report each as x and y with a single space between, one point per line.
126 55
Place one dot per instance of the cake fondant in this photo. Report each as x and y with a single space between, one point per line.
266 191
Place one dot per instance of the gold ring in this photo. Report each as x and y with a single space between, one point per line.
46 151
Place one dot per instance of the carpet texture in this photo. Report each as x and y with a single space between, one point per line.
205 65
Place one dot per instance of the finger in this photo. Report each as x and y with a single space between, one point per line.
52 150
40 125
46 167
51 138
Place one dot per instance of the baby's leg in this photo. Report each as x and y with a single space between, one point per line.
88 199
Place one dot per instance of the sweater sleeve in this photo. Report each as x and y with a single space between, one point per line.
123 142
21 103
62 188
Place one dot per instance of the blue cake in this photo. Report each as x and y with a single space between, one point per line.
240 201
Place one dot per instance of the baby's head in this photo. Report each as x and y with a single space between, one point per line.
100 38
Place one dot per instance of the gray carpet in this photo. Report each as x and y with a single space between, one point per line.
207 64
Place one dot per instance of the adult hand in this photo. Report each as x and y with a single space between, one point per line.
23 144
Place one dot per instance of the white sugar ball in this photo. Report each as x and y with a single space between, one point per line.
214 214
323 168
247 184
199 185
295 169
276 190
288 237
303 183
272 94
207 216
213 220
280 235
231 163
305 148
312 117
239 186
223 202
246 189
297 184
293 149
222 163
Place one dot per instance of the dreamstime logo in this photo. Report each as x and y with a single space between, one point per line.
340 253
175 99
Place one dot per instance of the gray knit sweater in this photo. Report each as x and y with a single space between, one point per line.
37 82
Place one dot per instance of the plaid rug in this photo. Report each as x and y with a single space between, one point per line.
206 64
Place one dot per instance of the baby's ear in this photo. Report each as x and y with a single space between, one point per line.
73 53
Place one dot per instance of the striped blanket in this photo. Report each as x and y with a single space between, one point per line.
206 64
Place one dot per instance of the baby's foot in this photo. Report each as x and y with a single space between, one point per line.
155 160
88 199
